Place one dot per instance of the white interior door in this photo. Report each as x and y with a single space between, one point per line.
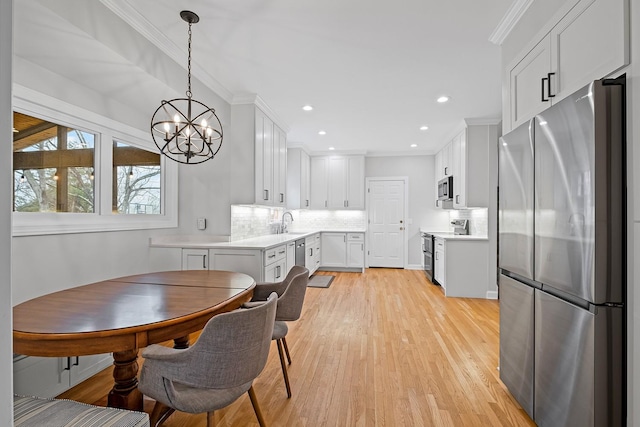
386 223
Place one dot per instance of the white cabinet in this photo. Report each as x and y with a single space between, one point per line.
337 182
578 49
313 254
298 179
291 256
443 167
50 376
342 250
275 264
195 259
439 260
355 250
259 157
334 250
270 161
462 267
247 261
473 150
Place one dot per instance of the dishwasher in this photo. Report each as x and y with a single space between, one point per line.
300 255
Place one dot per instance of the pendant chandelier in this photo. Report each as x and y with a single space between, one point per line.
186 130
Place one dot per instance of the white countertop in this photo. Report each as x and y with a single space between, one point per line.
261 242
447 235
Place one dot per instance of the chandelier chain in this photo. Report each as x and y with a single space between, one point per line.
189 65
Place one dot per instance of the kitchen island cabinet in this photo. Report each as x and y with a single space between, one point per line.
462 264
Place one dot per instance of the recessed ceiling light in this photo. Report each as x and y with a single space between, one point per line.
443 99
322 132
332 148
414 145
307 108
424 127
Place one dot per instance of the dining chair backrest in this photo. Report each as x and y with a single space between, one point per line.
291 300
231 350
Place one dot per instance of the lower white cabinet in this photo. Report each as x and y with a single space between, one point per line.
355 250
439 270
342 250
313 254
275 264
195 259
247 261
334 250
462 267
50 376
291 256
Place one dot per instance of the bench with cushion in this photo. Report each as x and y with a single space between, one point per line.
38 412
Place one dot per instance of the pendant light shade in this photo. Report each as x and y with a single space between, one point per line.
186 130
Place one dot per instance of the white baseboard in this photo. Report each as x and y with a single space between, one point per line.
492 294
414 267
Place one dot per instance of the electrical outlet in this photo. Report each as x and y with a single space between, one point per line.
201 223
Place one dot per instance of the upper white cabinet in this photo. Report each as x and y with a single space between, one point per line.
298 179
337 182
579 48
444 162
271 161
258 161
473 150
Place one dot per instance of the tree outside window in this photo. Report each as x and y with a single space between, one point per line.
136 180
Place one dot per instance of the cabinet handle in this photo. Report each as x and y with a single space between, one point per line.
281 197
77 362
325 203
277 271
543 99
549 94
265 195
457 198
68 368
437 203
307 202
281 252
204 262
272 256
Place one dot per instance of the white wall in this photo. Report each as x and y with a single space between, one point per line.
6 353
422 210
537 16
55 45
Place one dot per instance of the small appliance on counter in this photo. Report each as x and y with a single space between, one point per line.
460 226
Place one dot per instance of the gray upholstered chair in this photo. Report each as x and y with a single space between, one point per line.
230 353
291 293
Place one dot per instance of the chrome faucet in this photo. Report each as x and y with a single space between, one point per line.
283 226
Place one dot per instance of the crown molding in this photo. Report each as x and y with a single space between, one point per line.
509 21
254 99
137 21
483 121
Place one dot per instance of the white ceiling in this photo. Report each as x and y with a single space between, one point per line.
372 69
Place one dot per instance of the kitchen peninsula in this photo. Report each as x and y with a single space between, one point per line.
266 258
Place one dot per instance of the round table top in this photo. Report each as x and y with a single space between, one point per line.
125 313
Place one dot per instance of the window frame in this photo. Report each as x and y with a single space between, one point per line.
107 131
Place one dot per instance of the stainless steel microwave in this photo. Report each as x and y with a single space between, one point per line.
445 188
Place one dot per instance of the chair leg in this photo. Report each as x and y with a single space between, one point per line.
210 421
159 414
286 349
256 407
284 368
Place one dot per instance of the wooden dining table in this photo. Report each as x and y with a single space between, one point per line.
122 315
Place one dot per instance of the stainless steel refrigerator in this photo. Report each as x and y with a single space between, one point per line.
562 260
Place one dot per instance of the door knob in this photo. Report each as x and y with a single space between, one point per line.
401 228
401 221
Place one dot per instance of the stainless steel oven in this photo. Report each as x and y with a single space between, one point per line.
427 254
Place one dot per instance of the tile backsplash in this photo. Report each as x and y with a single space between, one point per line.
478 220
253 221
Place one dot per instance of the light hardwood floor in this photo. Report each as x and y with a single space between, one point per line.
383 348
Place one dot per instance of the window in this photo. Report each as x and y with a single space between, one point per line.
136 180
52 166
76 171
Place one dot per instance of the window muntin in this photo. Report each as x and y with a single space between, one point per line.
136 180
53 167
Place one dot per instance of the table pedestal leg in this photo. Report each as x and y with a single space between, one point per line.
181 343
125 393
